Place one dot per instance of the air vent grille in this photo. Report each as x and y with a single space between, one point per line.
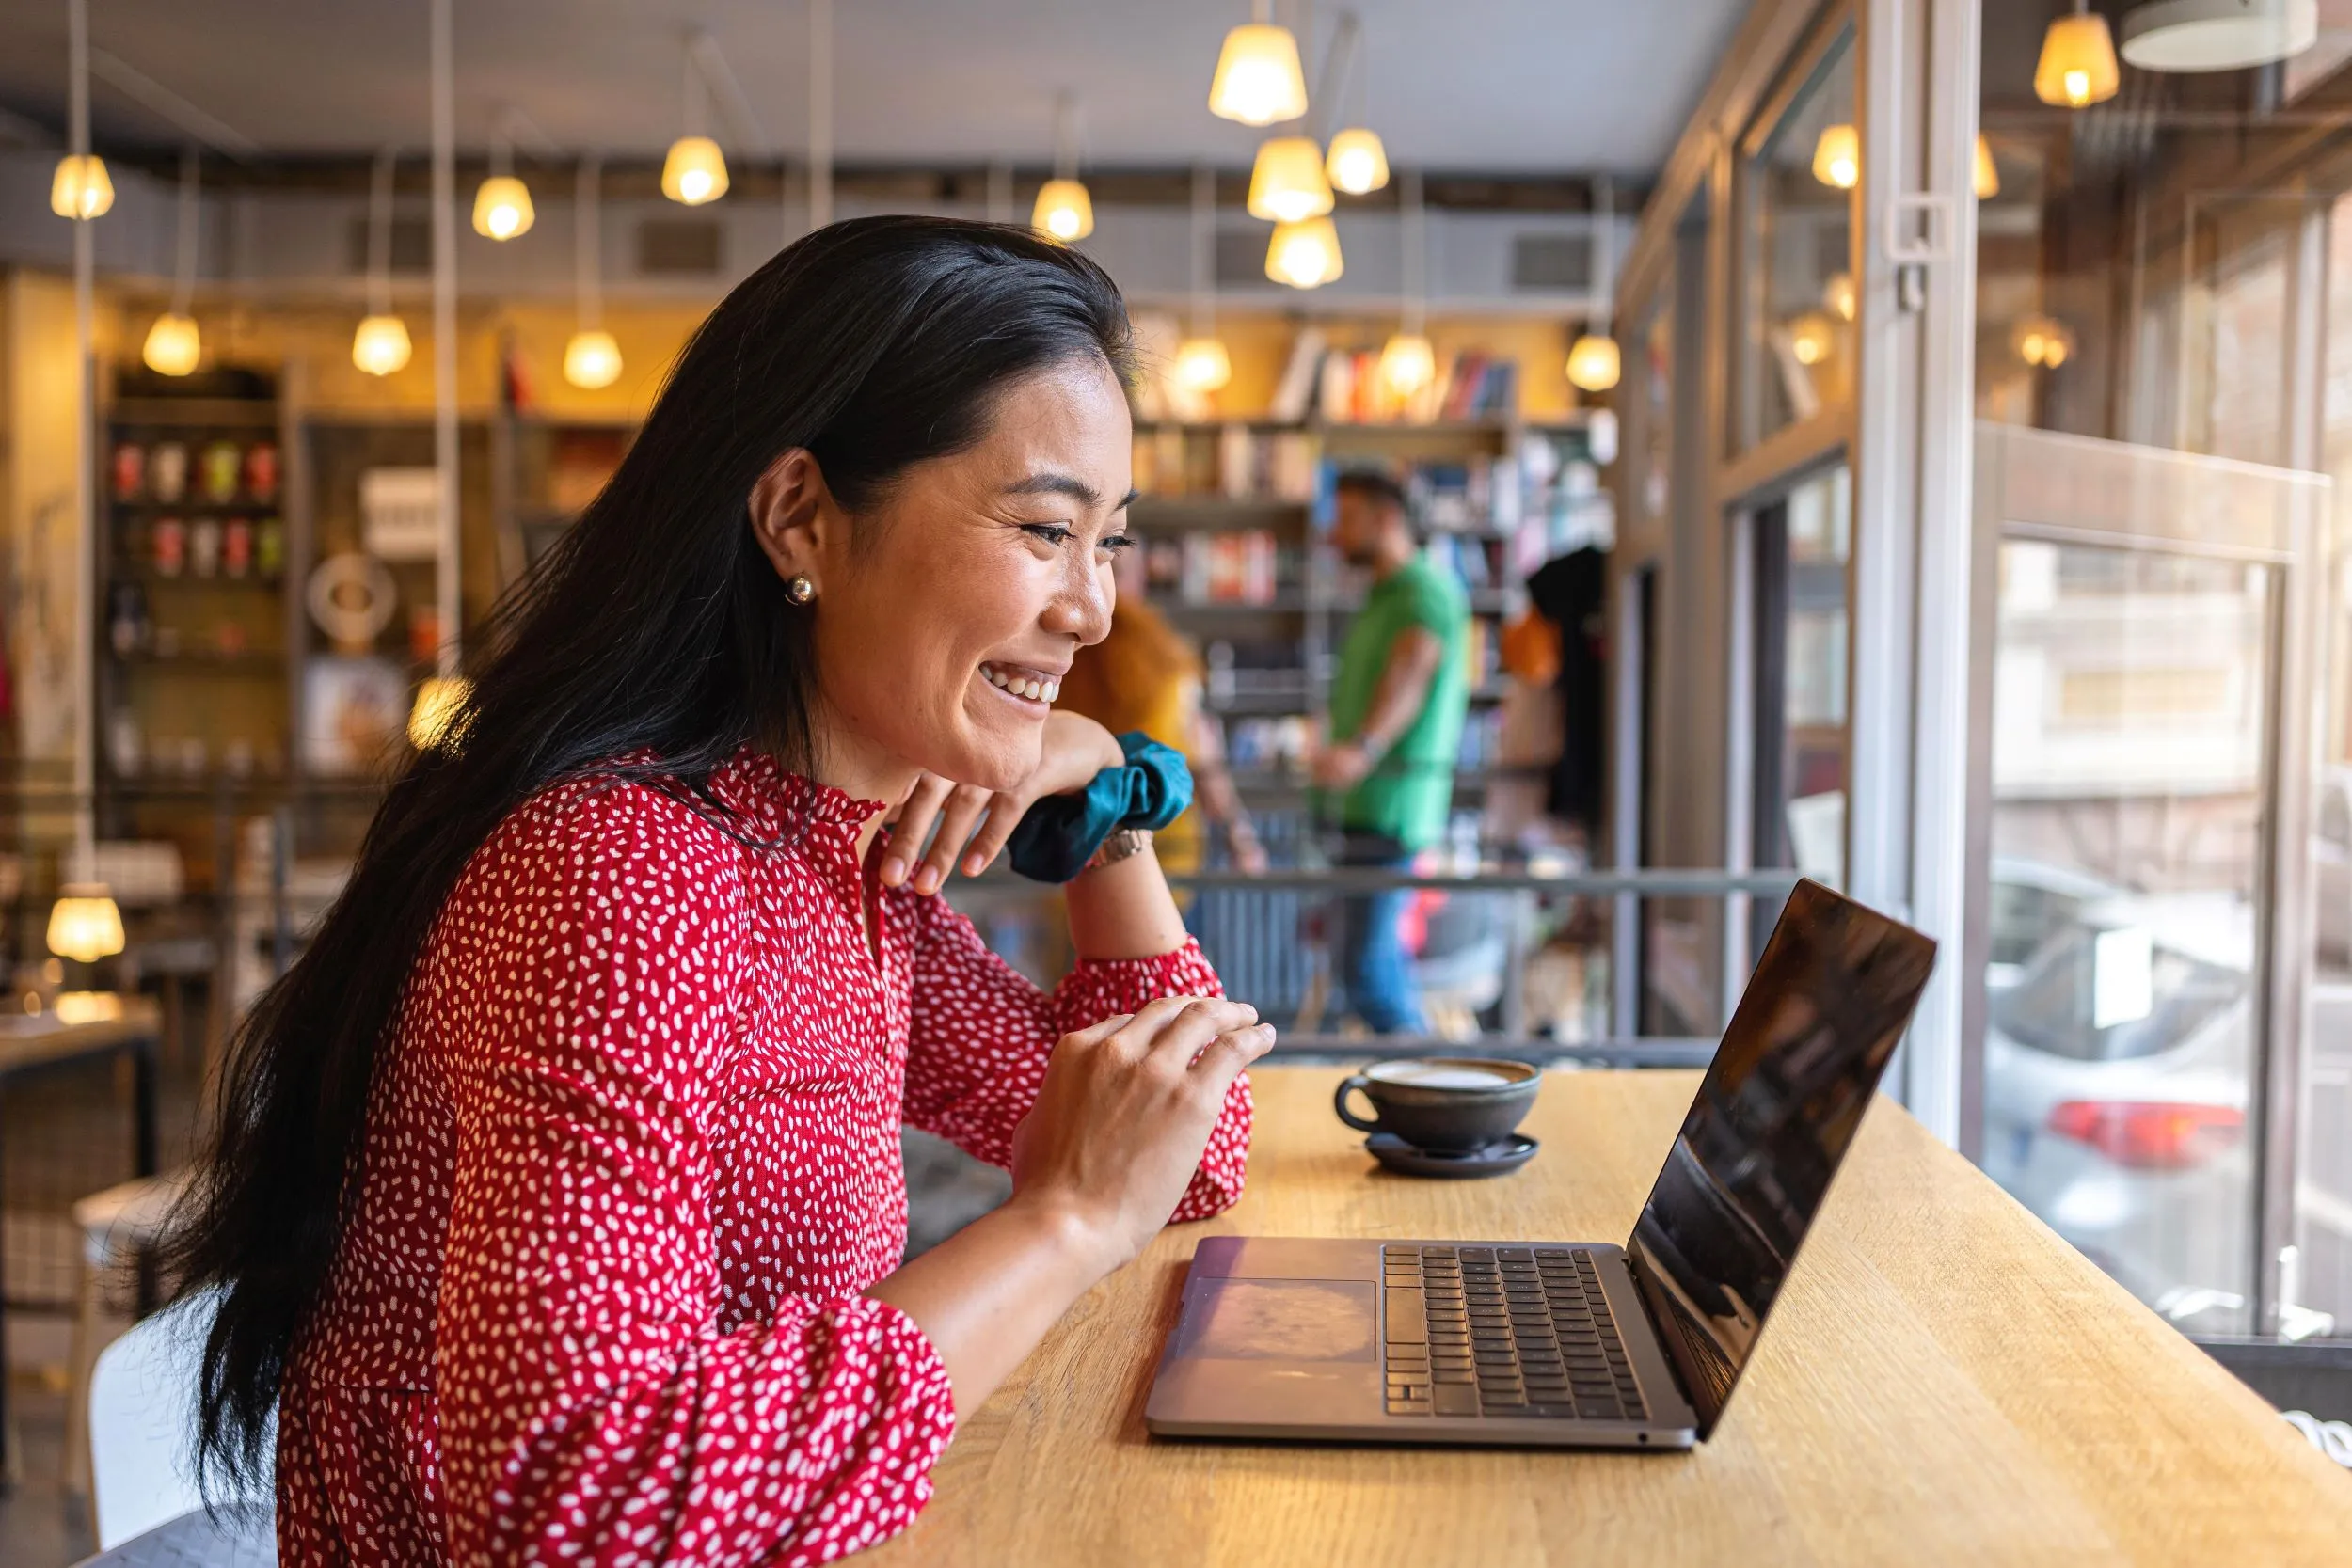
1552 262
671 247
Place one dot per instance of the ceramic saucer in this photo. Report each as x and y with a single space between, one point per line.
1496 1159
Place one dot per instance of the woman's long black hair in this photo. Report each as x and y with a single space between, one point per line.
655 626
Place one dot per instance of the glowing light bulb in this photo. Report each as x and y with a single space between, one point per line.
439 702
173 347
1837 158
1287 183
1258 80
1593 363
1811 339
1987 183
592 360
1304 254
694 172
1203 365
1063 210
85 924
2077 65
81 189
1407 363
1839 293
502 208
381 344
1357 162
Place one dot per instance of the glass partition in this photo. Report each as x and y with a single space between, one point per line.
1797 297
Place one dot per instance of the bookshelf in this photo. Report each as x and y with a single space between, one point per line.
194 555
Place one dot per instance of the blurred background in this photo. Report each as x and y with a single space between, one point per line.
1887 441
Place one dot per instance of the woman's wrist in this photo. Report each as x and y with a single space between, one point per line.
1066 1225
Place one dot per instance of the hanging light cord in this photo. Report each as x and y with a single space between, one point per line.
1415 223
1203 235
1067 135
183 275
1604 238
380 233
588 243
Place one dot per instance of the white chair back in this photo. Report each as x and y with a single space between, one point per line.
142 1421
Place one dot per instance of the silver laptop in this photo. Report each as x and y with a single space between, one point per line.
1571 1344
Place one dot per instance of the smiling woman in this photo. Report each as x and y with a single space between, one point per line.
554 1206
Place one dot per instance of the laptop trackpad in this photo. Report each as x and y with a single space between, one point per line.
1278 1319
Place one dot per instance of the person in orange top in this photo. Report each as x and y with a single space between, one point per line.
1146 676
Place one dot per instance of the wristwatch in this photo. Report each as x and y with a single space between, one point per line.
1121 844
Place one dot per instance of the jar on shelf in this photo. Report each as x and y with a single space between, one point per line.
167 471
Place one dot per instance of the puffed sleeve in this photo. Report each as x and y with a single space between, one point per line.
584 992
981 1033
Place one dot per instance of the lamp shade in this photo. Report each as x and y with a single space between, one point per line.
1203 365
2078 67
1357 163
439 700
1987 183
502 208
173 345
81 189
694 172
1812 338
2218 35
592 360
1287 184
1837 158
1305 254
381 344
84 923
1258 78
1593 365
1407 363
1063 210
1840 295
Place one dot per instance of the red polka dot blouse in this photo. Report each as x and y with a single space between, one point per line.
631 1158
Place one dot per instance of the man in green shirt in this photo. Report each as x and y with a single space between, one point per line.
1398 697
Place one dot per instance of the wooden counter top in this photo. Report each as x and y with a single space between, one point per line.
1944 1382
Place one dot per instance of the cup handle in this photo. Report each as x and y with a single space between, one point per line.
1339 1103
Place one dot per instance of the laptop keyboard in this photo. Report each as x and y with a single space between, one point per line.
1502 1331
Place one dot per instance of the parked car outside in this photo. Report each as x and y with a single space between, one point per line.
2117 1071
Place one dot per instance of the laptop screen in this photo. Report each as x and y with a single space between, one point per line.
1779 1105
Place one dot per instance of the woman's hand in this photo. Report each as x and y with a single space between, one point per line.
975 821
1123 1116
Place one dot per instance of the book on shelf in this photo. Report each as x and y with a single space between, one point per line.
1469 385
1230 461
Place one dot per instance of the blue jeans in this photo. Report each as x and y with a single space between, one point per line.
1375 973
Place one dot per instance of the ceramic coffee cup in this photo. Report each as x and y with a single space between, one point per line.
1445 1105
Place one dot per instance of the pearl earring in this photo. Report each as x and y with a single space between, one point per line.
799 589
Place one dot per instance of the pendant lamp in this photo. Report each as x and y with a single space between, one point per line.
1811 338
1987 180
1203 365
1259 80
2077 65
84 923
1305 254
1407 362
695 171
502 204
1064 211
2218 35
1594 364
2043 341
80 188
173 345
1837 158
1287 183
1358 163
592 360
381 345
